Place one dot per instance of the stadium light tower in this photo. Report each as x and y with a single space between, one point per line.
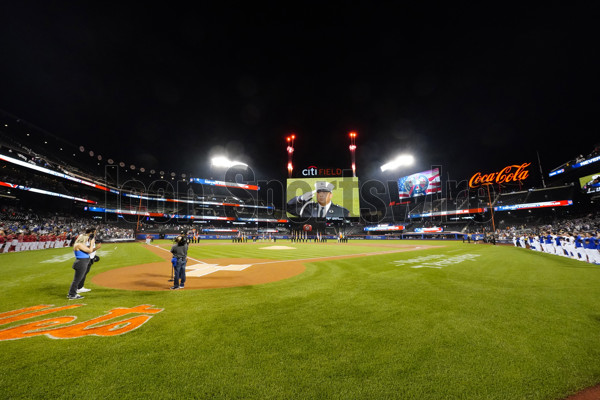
290 150
353 151
401 160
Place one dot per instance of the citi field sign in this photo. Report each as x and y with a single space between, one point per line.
315 171
508 174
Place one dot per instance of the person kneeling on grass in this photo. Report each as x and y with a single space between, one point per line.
179 251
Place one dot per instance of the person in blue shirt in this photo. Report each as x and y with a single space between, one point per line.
558 248
579 250
591 248
532 244
549 246
540 239
91 234
82 260
179 251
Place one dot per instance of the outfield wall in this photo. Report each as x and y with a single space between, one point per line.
407 236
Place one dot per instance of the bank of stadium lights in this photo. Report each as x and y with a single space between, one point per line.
223 162
290 150
400 161
352 136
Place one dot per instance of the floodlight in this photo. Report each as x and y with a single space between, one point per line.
401 160
223 162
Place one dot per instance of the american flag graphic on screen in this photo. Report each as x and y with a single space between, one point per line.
420 184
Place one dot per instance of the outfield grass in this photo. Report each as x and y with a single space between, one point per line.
503 323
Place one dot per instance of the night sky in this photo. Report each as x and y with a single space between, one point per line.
470 88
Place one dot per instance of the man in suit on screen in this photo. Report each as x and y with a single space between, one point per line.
322 207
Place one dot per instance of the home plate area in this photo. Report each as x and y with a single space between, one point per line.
216 273
200 274
206 269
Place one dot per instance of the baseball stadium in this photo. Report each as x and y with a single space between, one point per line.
347 201
471 289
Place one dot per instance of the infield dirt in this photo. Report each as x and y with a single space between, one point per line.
155 276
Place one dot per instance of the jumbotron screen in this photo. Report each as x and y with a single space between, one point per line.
420 184
332 198
590 183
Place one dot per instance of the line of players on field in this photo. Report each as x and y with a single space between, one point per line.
582 246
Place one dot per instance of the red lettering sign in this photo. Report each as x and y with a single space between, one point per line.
314 171
510 173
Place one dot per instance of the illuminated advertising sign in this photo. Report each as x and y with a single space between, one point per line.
316 171
205 203
384 228
156 214
508 174
46 192
272 220
574 166
445 213
211 182
558 171
543 204
429 230
55 173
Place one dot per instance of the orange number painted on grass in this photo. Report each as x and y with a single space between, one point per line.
95 326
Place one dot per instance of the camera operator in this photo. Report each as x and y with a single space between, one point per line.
179 251
93 257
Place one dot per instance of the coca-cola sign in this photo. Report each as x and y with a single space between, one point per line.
508 174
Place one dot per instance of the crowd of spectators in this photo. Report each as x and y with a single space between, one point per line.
24 229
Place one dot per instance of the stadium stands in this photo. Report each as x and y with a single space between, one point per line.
37 185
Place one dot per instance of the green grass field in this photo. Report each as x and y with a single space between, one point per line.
462 321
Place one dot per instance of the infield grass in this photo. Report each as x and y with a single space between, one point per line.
460 321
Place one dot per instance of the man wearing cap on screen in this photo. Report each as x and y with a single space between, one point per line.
322 207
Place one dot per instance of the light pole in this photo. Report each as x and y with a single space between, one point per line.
353 152
290 150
